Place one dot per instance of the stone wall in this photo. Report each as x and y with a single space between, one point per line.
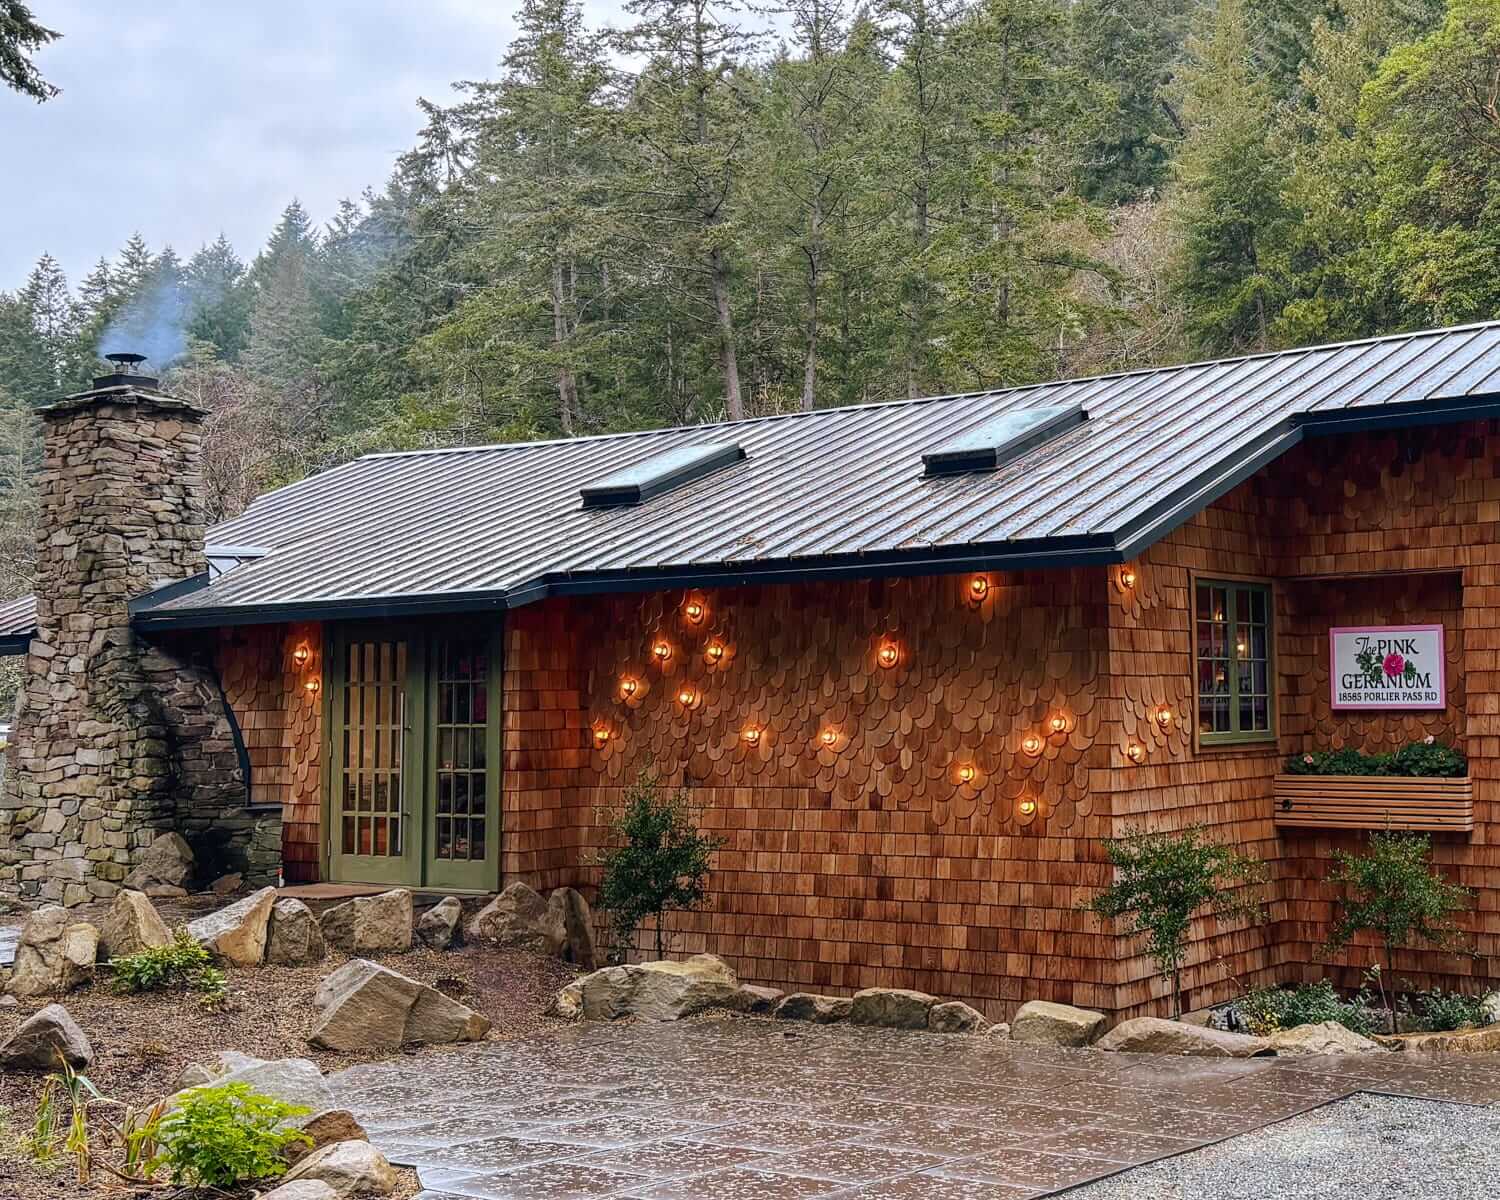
114 739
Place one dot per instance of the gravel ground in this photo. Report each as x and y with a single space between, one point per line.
142 1042
1365 1147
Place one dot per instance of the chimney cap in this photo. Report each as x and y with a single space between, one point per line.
123 375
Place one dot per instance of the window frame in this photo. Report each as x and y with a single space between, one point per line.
1235 738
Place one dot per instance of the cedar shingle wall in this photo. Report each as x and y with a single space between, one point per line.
870 861
281 723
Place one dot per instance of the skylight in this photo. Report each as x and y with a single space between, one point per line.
1002 439
660 473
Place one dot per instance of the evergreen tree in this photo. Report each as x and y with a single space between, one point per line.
20 37
218 299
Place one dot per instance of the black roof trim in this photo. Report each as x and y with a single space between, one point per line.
1002 439
16 644
662 472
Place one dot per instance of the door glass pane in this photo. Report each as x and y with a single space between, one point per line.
372 707
462 782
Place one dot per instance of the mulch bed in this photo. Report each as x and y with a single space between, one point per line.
142 1042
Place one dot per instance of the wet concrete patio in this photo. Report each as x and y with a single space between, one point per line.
739 1109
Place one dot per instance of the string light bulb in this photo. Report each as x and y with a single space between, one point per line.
629 686
979 587
302 655
1136 753
687 695
966 773
662 650
601 736
693 610
1031 744
1127 577
313 685
888 655
751 735
1026 807
1164 716
1059 723
829 736
714 651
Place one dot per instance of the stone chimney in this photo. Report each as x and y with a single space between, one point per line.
113 737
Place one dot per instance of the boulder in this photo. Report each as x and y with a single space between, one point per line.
1484 1040
166 863
653 991
133 924
364 1006
349 1168
1155 1035
956 1017
371 924
755 1000
568 913
891 1008
291 1080
437 926
226 885
518 918
1326 1037
325 1128
42 1040
163 891
294 937
55 954
809 1006
301 1189
1044 1023
236 934
1000 1031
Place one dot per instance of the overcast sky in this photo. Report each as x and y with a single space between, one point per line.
185 118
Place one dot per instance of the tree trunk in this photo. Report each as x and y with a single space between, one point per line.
567 385
719 275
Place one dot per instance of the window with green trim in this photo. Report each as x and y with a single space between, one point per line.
1235 699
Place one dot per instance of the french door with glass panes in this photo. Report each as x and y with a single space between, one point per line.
414 756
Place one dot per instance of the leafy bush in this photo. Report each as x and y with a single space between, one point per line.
227 1134
1162 879
182 965
1393 892
1422 760
1269 1009
658 862
1438 1011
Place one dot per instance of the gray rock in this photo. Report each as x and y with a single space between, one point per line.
291 1080
891 1008
301 1189
55 954
1000 1031
810 1006
1326 1037
756 1000
365 1006
133 924
1156 1035
226 885
349 1168
653 991
371 924
294 937
568 914
956 1017
236 934
167 862
518 918
40 1041
437 926
1045 1023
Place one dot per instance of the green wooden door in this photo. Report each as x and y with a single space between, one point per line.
414 756
463 760
375 768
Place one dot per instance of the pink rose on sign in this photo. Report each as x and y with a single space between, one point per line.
1308 759
1394 664
1428 740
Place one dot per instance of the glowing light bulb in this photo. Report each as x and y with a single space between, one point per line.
1059 723
1135 752
979 587
629 686
301 655
1127 577
662 651
693 610
313 685
1026 807
966 774
601 736
751 735
687 695
888 655
1164 717
714 651
829 736
1031 744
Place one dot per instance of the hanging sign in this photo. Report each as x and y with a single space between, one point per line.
1387 666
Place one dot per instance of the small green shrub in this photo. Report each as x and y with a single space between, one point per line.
227 1134
1421 760
1438 1011
182 965
1269 1009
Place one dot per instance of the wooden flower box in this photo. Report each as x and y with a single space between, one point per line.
1375 802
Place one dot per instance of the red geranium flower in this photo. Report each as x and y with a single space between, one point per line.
1394 664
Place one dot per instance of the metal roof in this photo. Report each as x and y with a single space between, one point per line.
17 624
828 493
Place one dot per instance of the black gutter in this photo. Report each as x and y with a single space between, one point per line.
18 643
1168 514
